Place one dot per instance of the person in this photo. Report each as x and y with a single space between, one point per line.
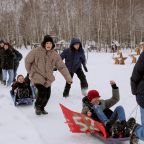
137 88
16 61
1 49
74 58
99 109
7 64
39 64
21 89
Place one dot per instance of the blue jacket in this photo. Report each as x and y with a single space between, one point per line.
74 58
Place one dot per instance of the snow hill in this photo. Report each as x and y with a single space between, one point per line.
20 125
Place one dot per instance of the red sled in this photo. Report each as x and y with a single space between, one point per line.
80 123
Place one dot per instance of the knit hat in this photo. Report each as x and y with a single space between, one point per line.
48 38
92 94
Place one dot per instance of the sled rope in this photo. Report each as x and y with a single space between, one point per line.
134 110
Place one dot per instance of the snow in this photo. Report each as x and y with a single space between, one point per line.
20 125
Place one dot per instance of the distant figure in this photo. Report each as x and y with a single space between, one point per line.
142 45
137 50
1 49
7 63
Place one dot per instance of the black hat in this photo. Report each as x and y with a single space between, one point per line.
48 38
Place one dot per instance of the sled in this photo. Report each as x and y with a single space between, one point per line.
21 101
80 123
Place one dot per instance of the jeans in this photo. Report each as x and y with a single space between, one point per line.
11 75
117 114
139 131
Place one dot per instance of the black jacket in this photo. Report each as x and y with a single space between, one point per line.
21 86
7 59
137 80
18 57
1 52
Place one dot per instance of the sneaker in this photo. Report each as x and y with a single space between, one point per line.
44 112
133 139
38 111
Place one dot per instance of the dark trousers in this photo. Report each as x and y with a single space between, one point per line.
83 81
42 96
1 74
15 71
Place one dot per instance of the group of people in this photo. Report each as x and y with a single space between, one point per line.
40 64
9 62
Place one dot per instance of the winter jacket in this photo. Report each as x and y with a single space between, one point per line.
23 88
74 58
137 80
18 57
105 104
7 59
40 63
1 52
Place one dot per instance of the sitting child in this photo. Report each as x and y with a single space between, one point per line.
99 110
21 89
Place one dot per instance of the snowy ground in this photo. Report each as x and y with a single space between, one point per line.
20 125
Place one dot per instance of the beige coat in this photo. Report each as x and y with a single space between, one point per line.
40 63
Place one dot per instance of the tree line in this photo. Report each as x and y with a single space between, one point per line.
27 21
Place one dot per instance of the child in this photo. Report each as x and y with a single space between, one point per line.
20 89
98 109
74 58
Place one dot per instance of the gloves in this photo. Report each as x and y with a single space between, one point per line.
113 84
85 68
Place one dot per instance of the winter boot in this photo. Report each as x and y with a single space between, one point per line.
118 129
38 111
129 127
44 111
109 127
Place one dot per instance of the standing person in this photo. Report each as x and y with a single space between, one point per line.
16 61
7 63
137 87
1 49
39 64
74 58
